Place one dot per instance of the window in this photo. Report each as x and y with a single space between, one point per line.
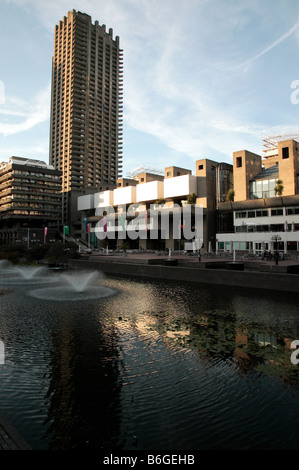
241 228
292 246
276 212
262 213
200 167
285 152
241 215
262 188
239 162
292 210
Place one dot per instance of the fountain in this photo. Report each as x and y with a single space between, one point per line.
22 274
75 286
235 265
4 263
6 267
170 261
28 272
80 280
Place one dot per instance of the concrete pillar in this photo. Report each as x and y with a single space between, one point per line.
142 244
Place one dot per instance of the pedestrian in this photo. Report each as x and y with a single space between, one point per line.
199 256
276 256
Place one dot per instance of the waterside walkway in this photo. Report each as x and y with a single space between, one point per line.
220 270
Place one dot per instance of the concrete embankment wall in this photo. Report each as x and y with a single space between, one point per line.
248 279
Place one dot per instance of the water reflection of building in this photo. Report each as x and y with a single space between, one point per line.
224 334
84 390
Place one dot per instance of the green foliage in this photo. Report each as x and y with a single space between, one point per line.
230 195
160 201
191 198
12 252
60 252
278 188
90 212
125 246
103 243
38 252
52 252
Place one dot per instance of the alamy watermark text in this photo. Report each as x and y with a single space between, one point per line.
295 93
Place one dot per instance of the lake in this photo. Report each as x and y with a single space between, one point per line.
148 365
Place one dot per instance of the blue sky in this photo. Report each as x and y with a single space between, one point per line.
202 78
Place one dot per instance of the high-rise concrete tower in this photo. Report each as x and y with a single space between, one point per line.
86 104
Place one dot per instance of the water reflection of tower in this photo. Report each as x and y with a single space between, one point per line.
84 392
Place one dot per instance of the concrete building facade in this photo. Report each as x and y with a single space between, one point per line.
86 105
264 217
30 201
168 195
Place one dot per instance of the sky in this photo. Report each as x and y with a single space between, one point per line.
202 78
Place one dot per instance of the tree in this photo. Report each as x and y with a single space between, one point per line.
160 201
191 198
230 195
278 188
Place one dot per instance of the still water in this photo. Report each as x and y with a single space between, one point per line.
155 365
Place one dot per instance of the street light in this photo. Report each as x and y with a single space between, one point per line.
276 238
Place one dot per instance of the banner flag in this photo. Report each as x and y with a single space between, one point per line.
122 223
146 227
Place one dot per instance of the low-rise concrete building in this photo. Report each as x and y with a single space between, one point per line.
264 215
168 195
30 201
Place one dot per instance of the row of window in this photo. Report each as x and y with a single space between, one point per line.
267 228
245 246
41 214
276 211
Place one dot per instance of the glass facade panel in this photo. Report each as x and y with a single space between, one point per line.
261 189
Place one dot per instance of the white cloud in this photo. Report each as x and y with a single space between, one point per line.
27 115
184 80
283 37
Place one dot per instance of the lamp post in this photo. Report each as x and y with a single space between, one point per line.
275 238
